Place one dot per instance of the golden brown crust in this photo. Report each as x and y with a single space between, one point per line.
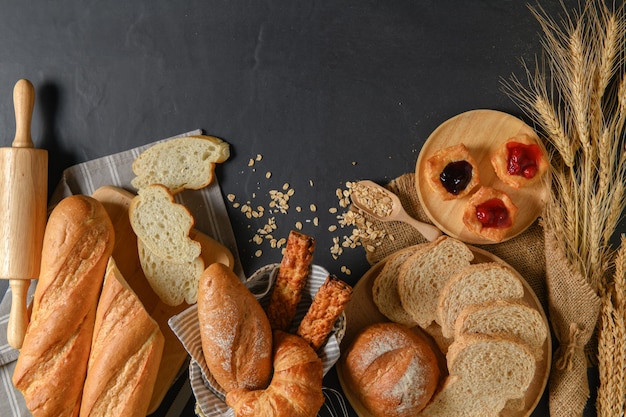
440 159
291 279
495 234
328 304
383 361
52 365
234 330
500 158
295 389
125 353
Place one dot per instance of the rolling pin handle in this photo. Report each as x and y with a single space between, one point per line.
24 102
18 317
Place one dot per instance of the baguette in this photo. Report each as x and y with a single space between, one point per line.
291 279
52 364
125 353
235 334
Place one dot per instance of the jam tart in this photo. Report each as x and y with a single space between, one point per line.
452 172
490 213
519 161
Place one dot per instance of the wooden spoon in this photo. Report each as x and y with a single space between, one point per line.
385 206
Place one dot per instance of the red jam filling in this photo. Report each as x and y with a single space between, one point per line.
493 213
523 159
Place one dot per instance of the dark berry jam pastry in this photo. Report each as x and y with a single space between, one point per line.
452 172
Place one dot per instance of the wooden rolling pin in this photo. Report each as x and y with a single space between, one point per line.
23 210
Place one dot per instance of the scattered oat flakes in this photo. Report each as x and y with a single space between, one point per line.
268 175
259 157
299 225
258 253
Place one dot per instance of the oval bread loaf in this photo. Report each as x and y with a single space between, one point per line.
392 369
234 330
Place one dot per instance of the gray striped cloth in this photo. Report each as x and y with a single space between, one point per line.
209 396
207 206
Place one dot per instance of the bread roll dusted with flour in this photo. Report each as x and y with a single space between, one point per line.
125 353
52 364
393 370
235 332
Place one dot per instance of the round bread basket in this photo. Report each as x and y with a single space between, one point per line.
209 395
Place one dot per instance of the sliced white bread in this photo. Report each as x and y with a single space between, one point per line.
423 276
186 162
504 317
385 287
485 373
475 284
163 225
172 282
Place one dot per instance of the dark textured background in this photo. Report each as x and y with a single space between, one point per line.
325 91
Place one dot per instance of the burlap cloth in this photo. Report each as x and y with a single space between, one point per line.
571 306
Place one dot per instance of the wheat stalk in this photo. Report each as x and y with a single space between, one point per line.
577 97
612 342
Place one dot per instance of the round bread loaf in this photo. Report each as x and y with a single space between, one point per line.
392 370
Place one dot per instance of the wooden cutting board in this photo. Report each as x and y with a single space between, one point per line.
362 311
116 201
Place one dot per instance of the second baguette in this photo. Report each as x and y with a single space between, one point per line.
125 353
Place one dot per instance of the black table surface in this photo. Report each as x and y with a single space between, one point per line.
325 91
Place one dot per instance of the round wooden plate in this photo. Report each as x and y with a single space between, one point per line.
361 312
482 131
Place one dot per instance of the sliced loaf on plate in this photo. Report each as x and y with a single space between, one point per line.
385 287
504 317
485 373
424 275
475 284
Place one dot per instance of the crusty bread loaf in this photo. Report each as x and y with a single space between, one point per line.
328 303
125 353
296 386
385 287
235 332
292 276
475 284
393 370
52 364
163 225
174 283
504 317
423 276
186 162
485 373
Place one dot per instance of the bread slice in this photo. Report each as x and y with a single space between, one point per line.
485 373
185 162
172 282
423 276
385 287
163 225
504 317
475 284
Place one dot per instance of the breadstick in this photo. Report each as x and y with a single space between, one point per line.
327 306
292 276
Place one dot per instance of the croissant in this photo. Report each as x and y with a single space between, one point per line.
296 386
